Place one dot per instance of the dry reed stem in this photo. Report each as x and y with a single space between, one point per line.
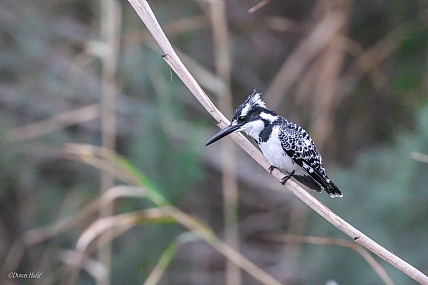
40 234
90 153
111 23
336 242
222 60
419 156
258 6
145 13
368 61
302 56
158 271
54 123
119 223
76 261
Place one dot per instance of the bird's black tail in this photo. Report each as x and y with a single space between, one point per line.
310 182
333 191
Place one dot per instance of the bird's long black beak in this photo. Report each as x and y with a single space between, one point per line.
224 132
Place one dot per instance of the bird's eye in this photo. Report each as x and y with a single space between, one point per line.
241 119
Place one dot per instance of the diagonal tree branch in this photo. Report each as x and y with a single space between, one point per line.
145 13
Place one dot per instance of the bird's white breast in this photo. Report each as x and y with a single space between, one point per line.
276 155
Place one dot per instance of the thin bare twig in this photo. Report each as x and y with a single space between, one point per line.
143 10
258 6
419 156
336 242
57 122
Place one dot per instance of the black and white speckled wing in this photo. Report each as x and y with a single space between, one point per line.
299 146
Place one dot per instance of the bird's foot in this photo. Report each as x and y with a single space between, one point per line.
285 178
271 168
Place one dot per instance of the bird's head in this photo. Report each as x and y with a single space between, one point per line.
250 117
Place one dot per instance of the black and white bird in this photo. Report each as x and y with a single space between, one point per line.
285 145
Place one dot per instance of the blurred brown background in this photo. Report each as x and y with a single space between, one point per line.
353 74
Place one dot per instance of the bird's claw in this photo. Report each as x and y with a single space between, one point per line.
271 168
285 178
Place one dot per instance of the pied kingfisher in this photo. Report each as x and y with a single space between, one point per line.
285 145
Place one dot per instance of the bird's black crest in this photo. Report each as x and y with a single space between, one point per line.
252 101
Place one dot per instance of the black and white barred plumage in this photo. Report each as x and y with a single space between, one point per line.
285 145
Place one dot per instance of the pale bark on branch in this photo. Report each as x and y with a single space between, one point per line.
145 13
